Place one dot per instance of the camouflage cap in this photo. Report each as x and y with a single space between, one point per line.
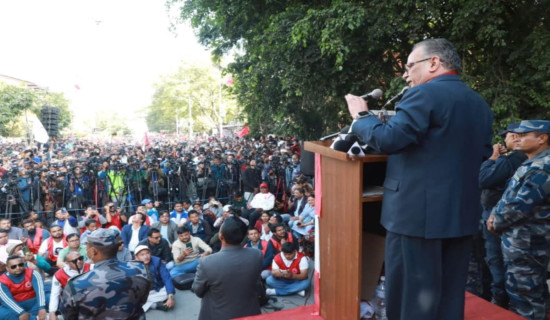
102 237
533 125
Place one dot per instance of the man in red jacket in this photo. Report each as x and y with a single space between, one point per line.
289 272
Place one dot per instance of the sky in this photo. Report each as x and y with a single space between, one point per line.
103 55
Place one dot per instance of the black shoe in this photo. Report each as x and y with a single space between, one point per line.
163 307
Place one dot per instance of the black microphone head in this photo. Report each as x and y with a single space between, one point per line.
341 145
352 137
345 130
355 150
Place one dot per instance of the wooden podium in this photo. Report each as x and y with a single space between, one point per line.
351 202
349 247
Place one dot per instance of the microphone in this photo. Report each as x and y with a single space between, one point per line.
374 94
341 145
344 130
395 99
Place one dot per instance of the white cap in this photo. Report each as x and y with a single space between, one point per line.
139 248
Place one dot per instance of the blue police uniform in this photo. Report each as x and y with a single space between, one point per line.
523 218
112 290
493 178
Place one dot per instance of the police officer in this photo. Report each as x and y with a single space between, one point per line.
522 217
112 290
493 178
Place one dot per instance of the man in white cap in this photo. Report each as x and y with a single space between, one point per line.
161 295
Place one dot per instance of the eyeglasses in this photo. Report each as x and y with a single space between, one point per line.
409 66
81 258
156 237
21 265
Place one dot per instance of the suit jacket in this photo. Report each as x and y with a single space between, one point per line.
126 234
436 142
172 230
227 283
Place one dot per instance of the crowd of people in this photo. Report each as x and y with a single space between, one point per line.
80 212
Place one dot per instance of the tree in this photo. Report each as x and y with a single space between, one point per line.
13 100
192 87
300 58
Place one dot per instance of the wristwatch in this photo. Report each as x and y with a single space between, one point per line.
363 114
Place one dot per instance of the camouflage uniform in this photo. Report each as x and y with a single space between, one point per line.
523 218
112 290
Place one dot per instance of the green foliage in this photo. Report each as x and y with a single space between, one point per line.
15 99
192 87
107 122
299 58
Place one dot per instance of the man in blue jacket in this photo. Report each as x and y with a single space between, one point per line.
436 143
161 295
493 178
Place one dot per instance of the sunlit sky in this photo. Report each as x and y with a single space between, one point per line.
112 50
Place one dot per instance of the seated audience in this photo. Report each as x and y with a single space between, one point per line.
35 235
186 252
73 244
21 292
199 228
255 242
168 228
289 272
132 234
161 296
158 247
73 266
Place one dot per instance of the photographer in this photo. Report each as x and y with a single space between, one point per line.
251 180
25 188
114 177
155 181
114 216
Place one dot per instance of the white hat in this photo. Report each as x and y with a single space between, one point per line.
139 248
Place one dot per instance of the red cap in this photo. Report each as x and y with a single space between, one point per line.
263 185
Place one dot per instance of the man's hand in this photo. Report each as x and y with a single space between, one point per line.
42 314
53 316
490 225
170 302
356 104
498 149
24 316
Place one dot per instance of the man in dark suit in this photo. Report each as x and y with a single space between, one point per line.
227 281
436 142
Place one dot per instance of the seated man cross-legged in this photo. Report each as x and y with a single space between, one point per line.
186 252
161 296
289 272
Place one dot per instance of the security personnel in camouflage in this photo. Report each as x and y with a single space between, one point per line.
522 217
112 290
493 179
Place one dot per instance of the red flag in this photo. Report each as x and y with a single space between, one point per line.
243 132
229 81
146 142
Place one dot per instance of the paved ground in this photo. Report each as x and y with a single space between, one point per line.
188 304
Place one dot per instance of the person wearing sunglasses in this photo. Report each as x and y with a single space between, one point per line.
21 292
73 266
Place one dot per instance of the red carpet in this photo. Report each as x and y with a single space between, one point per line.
479 309
476 309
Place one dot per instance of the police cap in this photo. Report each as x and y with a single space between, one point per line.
542 126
